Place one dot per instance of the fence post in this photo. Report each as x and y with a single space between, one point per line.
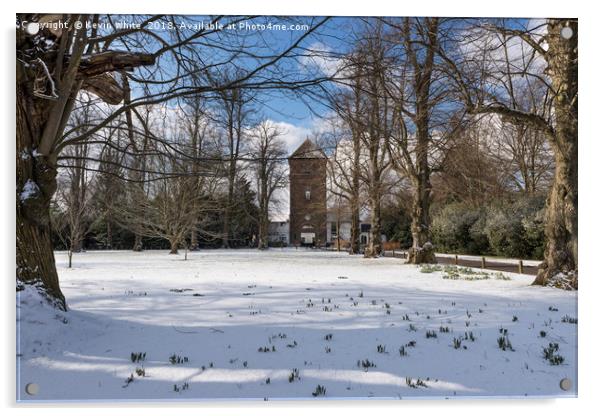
483 264
520 266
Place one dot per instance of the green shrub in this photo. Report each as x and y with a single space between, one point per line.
517 229
455 230
507 229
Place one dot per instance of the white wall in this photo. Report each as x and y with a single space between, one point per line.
278 232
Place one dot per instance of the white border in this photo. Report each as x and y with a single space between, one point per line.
590 154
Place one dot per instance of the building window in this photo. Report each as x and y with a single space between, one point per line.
308 194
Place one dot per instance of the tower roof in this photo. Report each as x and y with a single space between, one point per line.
308 150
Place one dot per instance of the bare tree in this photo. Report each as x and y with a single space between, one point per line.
269 155
197 126
522 152
59 61
234 112
177 181
470 169
486 82
74 195
417 91
110 188
72 218
139 143
373 123
344 165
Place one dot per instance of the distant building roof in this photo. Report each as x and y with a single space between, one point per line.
308 150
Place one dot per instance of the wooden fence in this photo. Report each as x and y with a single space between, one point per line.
482 263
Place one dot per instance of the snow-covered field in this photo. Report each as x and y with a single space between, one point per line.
316 314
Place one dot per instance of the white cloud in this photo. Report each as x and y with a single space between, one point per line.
322 59
292 135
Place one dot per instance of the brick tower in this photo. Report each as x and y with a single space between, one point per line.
307 178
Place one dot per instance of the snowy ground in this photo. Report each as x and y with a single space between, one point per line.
321 313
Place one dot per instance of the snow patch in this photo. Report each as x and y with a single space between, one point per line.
221 308
562 280
30 189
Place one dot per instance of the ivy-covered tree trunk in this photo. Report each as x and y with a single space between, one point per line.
422 250
560 259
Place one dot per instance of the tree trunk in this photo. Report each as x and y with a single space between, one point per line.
137 243
36 183
35 256
422 250
226 230
174 246
228 207
354 247
43 110
77 241
338 231
559 267
194 239
138 188
262 243
234 143
264 219
109 234
39 121
374 248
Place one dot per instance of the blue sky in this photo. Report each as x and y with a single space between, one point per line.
282 106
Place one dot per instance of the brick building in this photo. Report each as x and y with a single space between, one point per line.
307 177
